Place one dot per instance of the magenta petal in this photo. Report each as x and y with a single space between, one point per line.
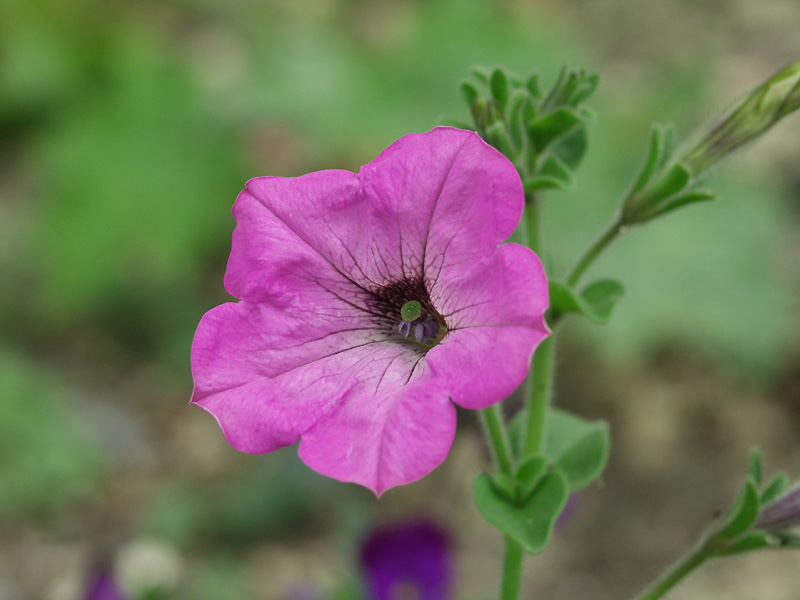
272 240
383 440
266 384
496 319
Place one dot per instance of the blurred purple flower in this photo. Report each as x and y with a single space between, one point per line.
408 561
569 510
103 586
321 346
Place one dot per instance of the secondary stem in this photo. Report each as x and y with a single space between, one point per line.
608 236
531 224
540 389
503 457
498 438
693 559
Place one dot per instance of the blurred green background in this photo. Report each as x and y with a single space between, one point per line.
126 131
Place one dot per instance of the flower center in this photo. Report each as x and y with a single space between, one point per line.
428 329
403 309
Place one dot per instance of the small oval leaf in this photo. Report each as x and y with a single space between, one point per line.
578 447
600 298
499 87
530 523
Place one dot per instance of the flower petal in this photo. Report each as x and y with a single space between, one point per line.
383 440
507 288
268 372
408 214
312 351
495 316
266 248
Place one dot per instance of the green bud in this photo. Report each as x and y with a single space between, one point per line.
411 310
748 118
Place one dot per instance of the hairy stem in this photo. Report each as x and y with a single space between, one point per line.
512 570
498 439
540 390
673 575
608 236
530 225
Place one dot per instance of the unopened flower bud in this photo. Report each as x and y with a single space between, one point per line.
781 514
751 116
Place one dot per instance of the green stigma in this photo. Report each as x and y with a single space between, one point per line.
411 310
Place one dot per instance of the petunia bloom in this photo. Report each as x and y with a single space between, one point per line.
409 560
368 302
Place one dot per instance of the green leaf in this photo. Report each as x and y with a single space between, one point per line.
601 297
751 541
481 74
577 447
596 301
668 144
515 119
533 86
755 466
588 86
469 93
553 168
653 157
530 473
775 488
497 136
529 111
531 521
499 87
571 148
743 514
672 182
535 184
506 485
684 200
563 299
554 94
548 127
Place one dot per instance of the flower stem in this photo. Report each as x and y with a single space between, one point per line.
608 236
673 575
512 570
498 438
540 389
531 225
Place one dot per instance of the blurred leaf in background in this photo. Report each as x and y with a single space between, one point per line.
48 461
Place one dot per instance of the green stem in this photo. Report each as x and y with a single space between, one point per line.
608 236
540 390
512 570
693 559
498 438
531 225
503 458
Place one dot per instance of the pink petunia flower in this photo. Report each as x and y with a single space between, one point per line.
368 302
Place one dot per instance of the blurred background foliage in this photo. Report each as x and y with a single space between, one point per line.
126 131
